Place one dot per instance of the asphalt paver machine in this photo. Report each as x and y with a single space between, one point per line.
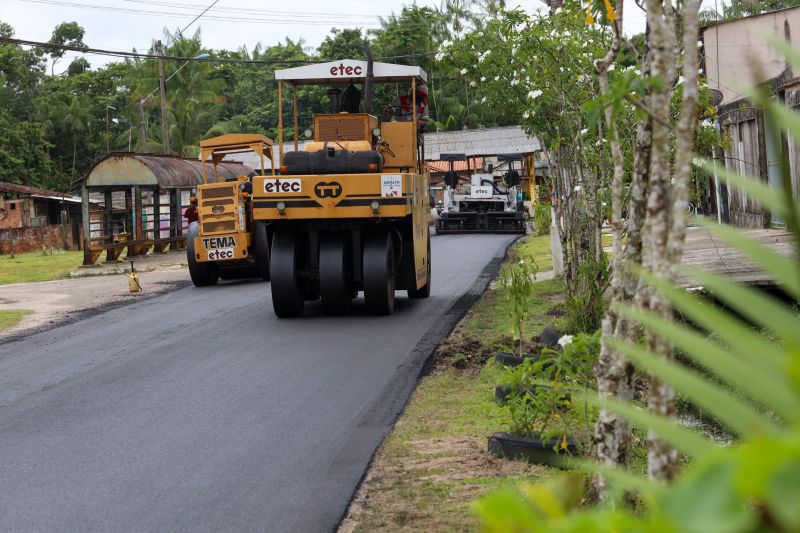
484 207
349 211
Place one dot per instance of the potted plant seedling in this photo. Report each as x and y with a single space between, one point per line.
539 405
518 278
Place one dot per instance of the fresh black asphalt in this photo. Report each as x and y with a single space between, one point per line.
199 410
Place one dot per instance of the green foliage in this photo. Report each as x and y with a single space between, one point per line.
585 308
519 276
750 382
539 399
541 218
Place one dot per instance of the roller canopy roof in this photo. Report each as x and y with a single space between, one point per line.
346 71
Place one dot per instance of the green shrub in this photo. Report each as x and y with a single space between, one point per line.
541 218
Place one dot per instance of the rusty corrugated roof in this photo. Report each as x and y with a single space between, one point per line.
120 169
25 190
476 163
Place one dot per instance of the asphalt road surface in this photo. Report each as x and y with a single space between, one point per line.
199 410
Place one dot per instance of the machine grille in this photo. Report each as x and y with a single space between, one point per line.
342 129
216 192
212 203
219 225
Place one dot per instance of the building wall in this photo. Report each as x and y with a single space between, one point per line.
17 213
32 239
741 55
793 100
745 157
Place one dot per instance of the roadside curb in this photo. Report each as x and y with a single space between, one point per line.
382 414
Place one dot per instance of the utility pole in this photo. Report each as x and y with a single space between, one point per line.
163 88
142 132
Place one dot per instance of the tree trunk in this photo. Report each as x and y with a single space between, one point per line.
612 437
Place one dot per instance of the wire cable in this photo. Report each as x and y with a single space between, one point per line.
138 55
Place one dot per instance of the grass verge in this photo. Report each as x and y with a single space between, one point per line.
434 464
36 266
10 318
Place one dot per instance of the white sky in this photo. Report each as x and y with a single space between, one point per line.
125 24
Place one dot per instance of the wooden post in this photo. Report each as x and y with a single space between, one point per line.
162 85
296 126
138 223
175 210
86 222
157 216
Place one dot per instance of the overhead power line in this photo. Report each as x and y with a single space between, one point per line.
115 53
180 32
305 19
265 12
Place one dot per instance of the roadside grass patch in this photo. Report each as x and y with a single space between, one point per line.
36 266
10 318
435 462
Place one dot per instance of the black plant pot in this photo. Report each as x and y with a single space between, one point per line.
532 450
502 392
511 359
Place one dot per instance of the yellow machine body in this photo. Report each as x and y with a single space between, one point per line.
224 243
224 232
349 211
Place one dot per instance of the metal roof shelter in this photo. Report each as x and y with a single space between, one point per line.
483 142
137 201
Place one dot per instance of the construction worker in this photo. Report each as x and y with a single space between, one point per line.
402 107
191 214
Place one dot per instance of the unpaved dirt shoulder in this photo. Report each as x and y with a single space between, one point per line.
54 303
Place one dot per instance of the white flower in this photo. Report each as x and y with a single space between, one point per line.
611 68
472 84
534 94
699 44
463 71
566 339
558 11
584 131
577 188
483 100
514 82
526 115
700 71
497 78
483 78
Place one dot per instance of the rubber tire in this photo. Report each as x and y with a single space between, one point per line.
425 290
261 249
379 277
334 290
287 296
203 274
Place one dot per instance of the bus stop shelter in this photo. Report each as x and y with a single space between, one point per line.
137 202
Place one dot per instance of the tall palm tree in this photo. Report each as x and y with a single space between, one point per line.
73 116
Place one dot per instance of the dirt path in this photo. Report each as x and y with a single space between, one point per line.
60 301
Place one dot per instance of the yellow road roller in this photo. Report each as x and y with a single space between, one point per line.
349 209
225 242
